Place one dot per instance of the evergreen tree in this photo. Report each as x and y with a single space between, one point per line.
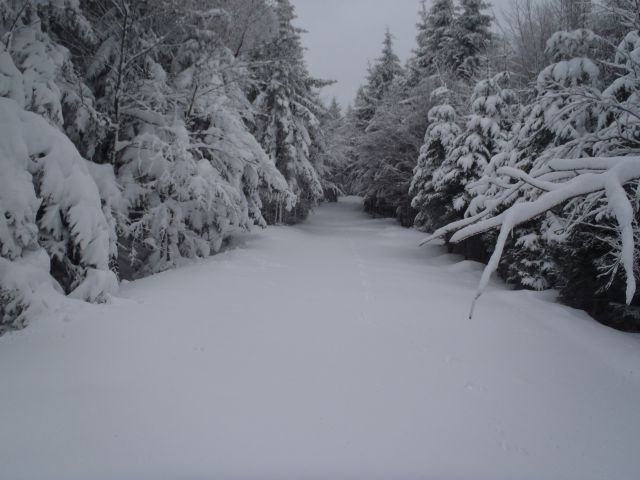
287 117
384 71
431 204
54 235
574 183
153 95
329 153
472 34
418 64
549 127
438 49
383 74
484 136
390 146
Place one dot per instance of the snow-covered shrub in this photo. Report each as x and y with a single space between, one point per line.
51 219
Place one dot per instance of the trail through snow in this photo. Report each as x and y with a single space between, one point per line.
337 349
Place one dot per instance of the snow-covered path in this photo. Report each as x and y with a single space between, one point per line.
333 350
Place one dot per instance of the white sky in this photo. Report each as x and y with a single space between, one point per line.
343 35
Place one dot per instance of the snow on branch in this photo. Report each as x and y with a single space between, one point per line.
610 183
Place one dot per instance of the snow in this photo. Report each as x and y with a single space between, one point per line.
611 181
49 200
335 349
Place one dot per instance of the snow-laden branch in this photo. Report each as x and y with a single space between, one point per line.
526 178
610 182
590 163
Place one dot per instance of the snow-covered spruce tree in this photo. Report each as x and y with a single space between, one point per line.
544 126
484 136
382 77
286 118
472 36
35 35
438 49
552 126
587 184
384 71
442 132
418 64
328 152
54 235
190 171
212 84
391 145
217 115
590 276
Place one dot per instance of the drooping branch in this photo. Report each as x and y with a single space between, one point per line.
610 183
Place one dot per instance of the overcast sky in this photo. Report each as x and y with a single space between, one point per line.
344 34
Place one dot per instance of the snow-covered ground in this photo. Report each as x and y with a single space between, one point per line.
333 350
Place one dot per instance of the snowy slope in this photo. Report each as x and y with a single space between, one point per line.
333 350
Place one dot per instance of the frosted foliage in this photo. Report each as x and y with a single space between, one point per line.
11 81
224 137
439 139
48 84
287 139
50 211
577 43
286 122
565 178
460 160
188 191
186 208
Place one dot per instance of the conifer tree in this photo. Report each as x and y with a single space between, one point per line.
287 117
439 49
54 235
432 204
549 127
418 64
472 34
384 71
484 136
329 153
370 120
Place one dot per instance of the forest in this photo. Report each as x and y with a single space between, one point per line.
529 159
212 269
138 135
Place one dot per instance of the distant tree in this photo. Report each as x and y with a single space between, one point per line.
329 152
472 36
382 77
384 71
438 49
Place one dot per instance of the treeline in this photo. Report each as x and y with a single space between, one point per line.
138 134
532 130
